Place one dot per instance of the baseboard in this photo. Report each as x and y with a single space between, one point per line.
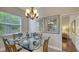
2 49
53 47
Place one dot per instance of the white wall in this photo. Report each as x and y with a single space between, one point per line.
56 39
77 32
74 36
71 34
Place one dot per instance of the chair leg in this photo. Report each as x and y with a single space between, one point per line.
45 46
13 48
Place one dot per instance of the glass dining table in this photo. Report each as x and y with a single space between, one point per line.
29 43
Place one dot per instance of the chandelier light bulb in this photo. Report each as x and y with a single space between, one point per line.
37 15
35 11
28 11
26 14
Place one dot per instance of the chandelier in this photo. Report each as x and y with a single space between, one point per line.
31 13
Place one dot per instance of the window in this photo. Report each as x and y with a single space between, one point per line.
9 23
40 24
33 26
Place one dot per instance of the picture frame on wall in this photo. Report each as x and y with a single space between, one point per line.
73 26
49 24
53 24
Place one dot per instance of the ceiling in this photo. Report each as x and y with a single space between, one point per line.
47 11
24 8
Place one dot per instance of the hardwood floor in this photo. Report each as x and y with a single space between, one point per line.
67 45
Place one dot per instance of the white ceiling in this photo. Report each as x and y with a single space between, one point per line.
47 11
53 8
24 8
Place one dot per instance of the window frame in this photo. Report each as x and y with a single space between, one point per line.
12 24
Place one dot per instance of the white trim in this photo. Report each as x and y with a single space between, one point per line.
2 49
20 23
9 34
53 47
9 23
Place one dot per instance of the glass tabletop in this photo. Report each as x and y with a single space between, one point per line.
29 43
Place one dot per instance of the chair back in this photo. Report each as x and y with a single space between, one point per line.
45 46
7 45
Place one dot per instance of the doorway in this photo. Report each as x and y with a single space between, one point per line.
67 44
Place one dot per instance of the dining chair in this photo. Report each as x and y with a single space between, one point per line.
14 48
45 45
9 47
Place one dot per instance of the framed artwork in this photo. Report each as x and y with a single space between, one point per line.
73 26
53 24
50 24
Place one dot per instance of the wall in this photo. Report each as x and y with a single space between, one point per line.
74 36
56 39
71 34
77 31
15 11
65 24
